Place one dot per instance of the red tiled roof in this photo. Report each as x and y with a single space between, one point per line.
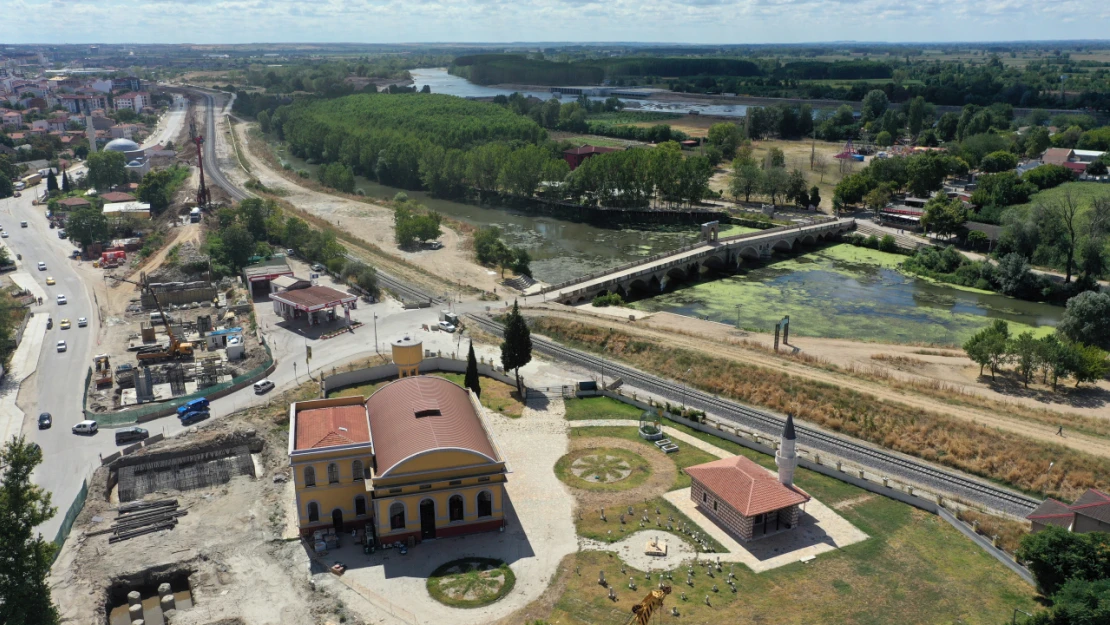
746 486
313 298
74 202
330 427
115 196
1056 156
447 420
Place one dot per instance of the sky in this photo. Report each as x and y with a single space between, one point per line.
492 21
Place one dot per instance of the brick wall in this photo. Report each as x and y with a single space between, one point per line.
731 519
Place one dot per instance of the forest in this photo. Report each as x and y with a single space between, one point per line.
456 148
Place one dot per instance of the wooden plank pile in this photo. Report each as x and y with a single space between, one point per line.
143 517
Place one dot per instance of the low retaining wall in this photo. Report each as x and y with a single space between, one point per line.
377 373
838 470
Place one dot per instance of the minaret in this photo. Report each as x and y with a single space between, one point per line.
785 458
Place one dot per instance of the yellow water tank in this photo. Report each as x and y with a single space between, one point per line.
407 355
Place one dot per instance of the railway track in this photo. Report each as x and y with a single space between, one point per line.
881 461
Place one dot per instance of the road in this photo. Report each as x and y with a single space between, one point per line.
168 127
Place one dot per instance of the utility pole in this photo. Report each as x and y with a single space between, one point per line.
376 334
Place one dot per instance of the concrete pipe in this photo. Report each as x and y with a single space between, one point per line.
134 598
164 589
135 612
167 602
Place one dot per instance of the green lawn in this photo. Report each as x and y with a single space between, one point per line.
1084 192
686 456
600 408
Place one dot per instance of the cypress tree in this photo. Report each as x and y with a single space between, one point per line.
516 349
66 186
472 381
51 182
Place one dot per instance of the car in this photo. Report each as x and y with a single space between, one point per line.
64 324
290 252
45 421
126 435
42 266
446 326
50 281
3 234
317 267
262 386
85 427
61 234
49 323
62 346
75 254
23 224
190 418
61 299
82 322
435 245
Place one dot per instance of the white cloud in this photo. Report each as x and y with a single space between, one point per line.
688 21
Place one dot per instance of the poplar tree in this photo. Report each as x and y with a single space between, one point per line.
516 349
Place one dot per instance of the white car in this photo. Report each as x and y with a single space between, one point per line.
61 299
446 326
82 322
61 346
42 266
262 386
4 234
85 427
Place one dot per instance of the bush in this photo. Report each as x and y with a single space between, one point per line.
1048 176
888 244
611 299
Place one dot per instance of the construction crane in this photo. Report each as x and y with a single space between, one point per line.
176 349
652 604
203 197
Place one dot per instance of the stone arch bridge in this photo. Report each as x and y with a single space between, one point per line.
655 274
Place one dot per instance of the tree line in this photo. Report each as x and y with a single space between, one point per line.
1049 358
1072 571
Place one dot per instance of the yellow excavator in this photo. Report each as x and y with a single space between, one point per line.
156 353
651 604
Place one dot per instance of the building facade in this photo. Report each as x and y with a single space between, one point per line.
412 462
746 499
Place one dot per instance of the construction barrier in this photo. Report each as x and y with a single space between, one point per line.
71 516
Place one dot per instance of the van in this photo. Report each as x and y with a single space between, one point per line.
126 435
85 427
197 404
157 317
262 386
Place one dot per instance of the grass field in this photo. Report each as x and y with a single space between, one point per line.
599 408
1083 192
609 471
686 456
496 395
913 565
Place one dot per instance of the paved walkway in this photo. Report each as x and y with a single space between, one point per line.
820 528
24 362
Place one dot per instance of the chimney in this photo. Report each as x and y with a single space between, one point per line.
785 458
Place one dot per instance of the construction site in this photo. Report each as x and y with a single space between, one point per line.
196 529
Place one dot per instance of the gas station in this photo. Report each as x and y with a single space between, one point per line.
315 304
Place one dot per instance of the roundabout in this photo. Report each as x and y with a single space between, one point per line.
471 582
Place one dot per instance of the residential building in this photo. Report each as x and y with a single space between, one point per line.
1089 513
75 103
414 461
12 119
134 100
1075 160
744 498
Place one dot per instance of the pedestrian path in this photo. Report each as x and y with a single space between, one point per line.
24 362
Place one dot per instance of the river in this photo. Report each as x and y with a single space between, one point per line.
842 291
439 81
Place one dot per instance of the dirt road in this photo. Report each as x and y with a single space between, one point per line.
724 341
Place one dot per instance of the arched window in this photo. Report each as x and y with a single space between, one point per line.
455 508
313 512
485 504
309 476
333 473
356 469
360 506
397 516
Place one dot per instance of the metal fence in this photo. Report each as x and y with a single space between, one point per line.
136 415
71 516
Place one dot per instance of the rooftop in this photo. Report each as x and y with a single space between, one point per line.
74 202
313 298
423 413
1093 504
331 427
746 486
590 149
116 196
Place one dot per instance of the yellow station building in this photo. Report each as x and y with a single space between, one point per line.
414 460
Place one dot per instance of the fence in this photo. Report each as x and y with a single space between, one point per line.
71 516
155 410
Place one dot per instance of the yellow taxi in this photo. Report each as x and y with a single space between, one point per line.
50 281
64 324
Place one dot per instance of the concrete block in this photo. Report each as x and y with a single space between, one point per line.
134 598
135 612
164 589
167 602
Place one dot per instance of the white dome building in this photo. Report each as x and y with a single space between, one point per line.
122 145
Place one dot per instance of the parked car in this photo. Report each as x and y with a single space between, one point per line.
23 224
446 326
64 324
262 386
82 322
85 427
126 435
435 245
61 346
49 322
42 266
61 234
50 281
61 299
190 418
45 421
3 234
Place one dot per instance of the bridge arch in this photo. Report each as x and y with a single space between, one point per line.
783 245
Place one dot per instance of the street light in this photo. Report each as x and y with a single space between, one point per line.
376 334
